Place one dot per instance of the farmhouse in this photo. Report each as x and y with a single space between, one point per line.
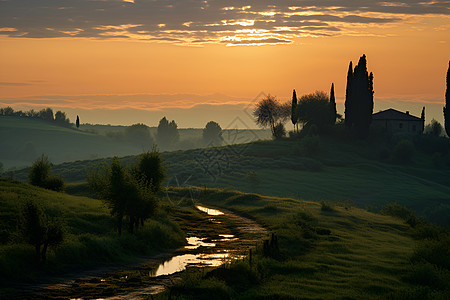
397 121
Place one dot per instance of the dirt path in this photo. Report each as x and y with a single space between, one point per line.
137 281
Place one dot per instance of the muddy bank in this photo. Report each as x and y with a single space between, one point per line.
213 236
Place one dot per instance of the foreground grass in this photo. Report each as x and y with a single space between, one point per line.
90 236
326 251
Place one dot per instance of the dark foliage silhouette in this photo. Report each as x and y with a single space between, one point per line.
294 117
314 109
128 194
39 229
212 134
447 104
167 133
269 112
333 110
359 98
78 122
39 175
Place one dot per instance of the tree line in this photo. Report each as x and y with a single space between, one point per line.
46 114
318 109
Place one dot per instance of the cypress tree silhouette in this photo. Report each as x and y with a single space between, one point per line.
447 105
349 98
422 116
359 98
332 106
294 116
78 122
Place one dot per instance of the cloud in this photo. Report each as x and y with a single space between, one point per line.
193 22
14 84
148 102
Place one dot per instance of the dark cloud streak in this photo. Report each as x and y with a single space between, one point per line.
194 21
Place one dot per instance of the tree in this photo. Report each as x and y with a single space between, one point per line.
46 114
78 122
139 135
61 119
212 134
270 113
39 229
447 104
333 113
167 133
39 175
349 98
314 109
294 117
434 128
359 98
128 194
150 169
40 171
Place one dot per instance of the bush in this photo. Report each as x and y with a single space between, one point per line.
39 175
402 212
279 131
325 206
404 151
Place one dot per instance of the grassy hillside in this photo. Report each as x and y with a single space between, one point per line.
90 235
24 139
356 171
325 252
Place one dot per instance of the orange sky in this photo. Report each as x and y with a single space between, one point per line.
409 58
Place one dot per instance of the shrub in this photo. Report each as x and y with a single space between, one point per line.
279 131
325 206
404 151
39 175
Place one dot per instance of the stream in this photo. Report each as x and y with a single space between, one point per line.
203 249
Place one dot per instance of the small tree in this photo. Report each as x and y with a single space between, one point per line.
270 113
447 104
128 194
78 122
38 229
39 175
434 128
40 171
167 133
212 134
333 112
139 135
294 117
314 109
150 169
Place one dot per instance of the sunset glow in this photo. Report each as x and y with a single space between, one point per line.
112 49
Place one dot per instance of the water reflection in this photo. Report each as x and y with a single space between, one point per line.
180 262
209 211
195 242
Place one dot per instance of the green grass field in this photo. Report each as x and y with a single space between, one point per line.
22 140
344 253
90 235
337 171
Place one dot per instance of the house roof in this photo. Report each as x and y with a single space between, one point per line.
392 114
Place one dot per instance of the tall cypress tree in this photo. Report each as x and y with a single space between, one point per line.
78 122
294 117
447 105
332 106
348 97
359 98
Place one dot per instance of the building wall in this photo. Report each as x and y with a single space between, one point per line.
399 125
